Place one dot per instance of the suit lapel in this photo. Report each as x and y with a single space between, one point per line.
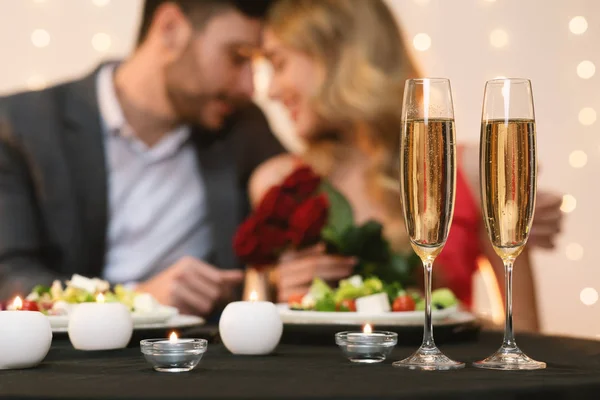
84 151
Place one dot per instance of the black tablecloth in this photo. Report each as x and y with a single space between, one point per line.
311 372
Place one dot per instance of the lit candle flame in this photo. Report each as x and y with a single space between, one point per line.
18 303
253 296
367 329
173 337
100 298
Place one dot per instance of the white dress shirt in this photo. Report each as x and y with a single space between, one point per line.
157 202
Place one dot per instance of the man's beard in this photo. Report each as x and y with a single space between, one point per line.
191 106
188 108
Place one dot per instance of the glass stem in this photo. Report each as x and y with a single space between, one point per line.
428 342
509 336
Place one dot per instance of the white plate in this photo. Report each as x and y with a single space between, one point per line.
178 321
406 318
158 316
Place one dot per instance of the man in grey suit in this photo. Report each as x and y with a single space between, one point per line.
137 173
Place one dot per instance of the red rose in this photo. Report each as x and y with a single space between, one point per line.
259 243
308 220
276 205
303 182
272 239
245 241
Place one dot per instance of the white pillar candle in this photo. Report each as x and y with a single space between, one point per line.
250 327
100 326
25 338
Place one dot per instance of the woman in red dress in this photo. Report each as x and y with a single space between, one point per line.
339 69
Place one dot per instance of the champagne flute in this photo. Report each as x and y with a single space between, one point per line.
427 182
508 169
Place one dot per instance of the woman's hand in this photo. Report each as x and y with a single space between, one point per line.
296 270
547 220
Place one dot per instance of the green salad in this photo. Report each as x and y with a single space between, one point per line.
58 299
367 295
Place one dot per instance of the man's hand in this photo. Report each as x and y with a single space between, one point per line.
193 286
297 270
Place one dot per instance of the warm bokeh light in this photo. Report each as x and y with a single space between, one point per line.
568 204
422 42
589 296
586 69
368 329
574 251
100 298
173 337
40 38
101 42
578 25
587 116
491 284
498 38
578 159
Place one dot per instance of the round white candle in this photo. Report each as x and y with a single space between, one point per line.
100 326
250 327
25 338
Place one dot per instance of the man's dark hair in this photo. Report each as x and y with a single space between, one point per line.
200 11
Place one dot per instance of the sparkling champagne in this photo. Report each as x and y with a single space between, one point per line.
427 180
508 182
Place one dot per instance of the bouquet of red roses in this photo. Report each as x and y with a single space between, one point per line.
305 210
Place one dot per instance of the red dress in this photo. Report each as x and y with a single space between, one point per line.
458 261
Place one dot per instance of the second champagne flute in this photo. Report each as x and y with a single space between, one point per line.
427 182
508 175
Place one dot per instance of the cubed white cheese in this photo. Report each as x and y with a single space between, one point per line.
61 308
356 281
101 285
144 303
33 296
308 301
374 304
81 282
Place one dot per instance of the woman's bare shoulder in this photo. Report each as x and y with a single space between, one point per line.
269 173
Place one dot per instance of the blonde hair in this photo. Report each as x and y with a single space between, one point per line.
366 63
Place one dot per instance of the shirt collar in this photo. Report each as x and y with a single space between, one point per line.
112 114
110 109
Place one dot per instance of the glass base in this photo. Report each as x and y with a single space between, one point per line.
509 359
174 369
373 360
429 360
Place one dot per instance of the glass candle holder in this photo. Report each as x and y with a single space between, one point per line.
366 348
166 355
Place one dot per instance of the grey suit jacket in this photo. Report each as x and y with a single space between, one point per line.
53 183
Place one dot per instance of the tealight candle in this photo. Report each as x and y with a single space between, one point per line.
173 355
366 346
100 325
25 337
251 327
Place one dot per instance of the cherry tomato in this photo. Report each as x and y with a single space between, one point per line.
295 299
404 303
347 305
30 306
